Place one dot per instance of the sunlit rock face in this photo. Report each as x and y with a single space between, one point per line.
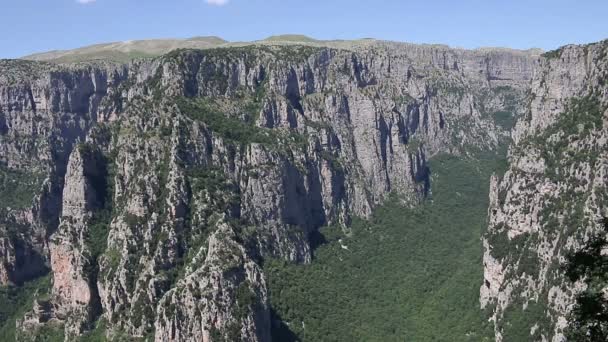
551 199
160 186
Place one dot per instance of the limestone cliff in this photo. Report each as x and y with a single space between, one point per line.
551 199
162 185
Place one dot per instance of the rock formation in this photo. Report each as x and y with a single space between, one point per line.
160 186
551 199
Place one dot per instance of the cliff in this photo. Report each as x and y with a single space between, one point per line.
153 191
552 198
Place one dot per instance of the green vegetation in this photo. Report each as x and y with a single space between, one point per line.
297 54
220 123
16 301
504 119
49 333
208 178
250 53
552 54
17 71
18 188
447 87
414 144
237 130
213 182
581 117
589 319
518 321
333 159
245 298
403 275
403 100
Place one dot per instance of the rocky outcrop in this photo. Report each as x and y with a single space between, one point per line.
72 263
551 199
223 297
169 180
46 110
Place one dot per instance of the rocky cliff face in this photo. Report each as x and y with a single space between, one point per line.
159 187
552 198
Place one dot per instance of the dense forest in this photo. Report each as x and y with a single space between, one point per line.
408 274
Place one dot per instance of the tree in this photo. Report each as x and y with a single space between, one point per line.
589 318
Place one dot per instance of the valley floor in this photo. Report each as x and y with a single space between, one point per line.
403 275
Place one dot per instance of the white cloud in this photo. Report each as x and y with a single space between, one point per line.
215 2
85 1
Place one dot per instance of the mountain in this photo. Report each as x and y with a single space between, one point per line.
127 50
182 197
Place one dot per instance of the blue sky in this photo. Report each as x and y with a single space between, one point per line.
29 26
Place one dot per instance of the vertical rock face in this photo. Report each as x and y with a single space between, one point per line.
44 110
551 199
168 181
74 288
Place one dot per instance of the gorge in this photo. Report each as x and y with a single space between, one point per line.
308 190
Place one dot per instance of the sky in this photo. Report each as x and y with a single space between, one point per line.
28 26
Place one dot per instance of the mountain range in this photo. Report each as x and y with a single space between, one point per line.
295 189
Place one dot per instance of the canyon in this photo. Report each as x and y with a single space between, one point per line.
149 196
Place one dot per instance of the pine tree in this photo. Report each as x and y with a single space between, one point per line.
589 318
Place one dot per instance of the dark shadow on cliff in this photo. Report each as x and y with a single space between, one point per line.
97 174
29 266
316 239
280 331
29 263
